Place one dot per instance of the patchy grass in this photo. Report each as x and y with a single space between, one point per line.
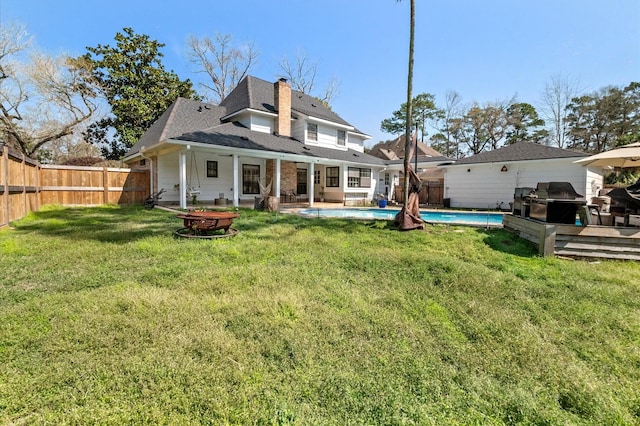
107 318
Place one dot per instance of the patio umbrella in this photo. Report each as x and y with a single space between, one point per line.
625 156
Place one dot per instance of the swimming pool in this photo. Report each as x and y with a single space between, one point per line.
431 216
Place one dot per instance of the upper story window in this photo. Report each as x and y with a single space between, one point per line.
312 132
342 137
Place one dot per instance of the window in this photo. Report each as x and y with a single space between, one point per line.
312 132
301 184
342 137
250 178
143 162
386 179
333 177
316 177
212 169
359 178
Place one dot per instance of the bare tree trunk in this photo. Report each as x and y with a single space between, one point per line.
407 141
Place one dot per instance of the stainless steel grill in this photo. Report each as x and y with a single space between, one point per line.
553 202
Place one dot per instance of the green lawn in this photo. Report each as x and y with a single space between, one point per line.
106 318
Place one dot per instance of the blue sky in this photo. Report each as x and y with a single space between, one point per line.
485 50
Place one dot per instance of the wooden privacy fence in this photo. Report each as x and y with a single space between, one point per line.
26 185
18 186
431 193
92 186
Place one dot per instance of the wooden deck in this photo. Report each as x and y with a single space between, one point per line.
577 241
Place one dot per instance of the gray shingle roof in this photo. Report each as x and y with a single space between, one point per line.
184 115
520 151
187 116
235 135
423 159
258 94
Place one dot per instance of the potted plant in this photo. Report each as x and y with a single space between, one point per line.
321 194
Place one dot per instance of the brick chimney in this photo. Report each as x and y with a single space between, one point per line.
282 104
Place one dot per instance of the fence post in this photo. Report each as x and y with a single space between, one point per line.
547 240
23 165
5 183
105 184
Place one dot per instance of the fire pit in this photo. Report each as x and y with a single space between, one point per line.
207 224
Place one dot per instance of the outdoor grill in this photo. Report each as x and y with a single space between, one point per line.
521 201
555 202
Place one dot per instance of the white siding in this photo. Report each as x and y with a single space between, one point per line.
484 186
355 142
210 188
168 176
261 124
298 128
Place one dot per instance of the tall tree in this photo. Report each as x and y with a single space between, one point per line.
224 65
556 97
604 119
409 104
424 109
42 101
301 74
444 141
137 87
471 129
524 124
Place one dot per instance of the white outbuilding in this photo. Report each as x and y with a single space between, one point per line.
488 180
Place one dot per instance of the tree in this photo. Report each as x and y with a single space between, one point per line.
137 87
444 141
604 119
524 124
42 101
424 109
557 95
471 130
301 74
224 64
409 106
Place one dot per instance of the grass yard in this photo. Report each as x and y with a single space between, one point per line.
106 318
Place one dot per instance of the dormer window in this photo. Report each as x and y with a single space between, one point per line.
342 137
312 131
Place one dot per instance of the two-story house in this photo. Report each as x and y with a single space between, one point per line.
261 133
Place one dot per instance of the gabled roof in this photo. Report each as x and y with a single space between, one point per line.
394 149
258 94
422 159
235 135
520 151
187 116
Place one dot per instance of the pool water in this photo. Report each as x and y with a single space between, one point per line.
451 217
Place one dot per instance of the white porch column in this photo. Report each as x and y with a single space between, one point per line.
236 180
311 183
183 180
277 188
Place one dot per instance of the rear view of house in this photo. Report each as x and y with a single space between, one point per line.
261 133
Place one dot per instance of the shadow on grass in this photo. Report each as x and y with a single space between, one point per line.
121 224
508 242
251 220
105 223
